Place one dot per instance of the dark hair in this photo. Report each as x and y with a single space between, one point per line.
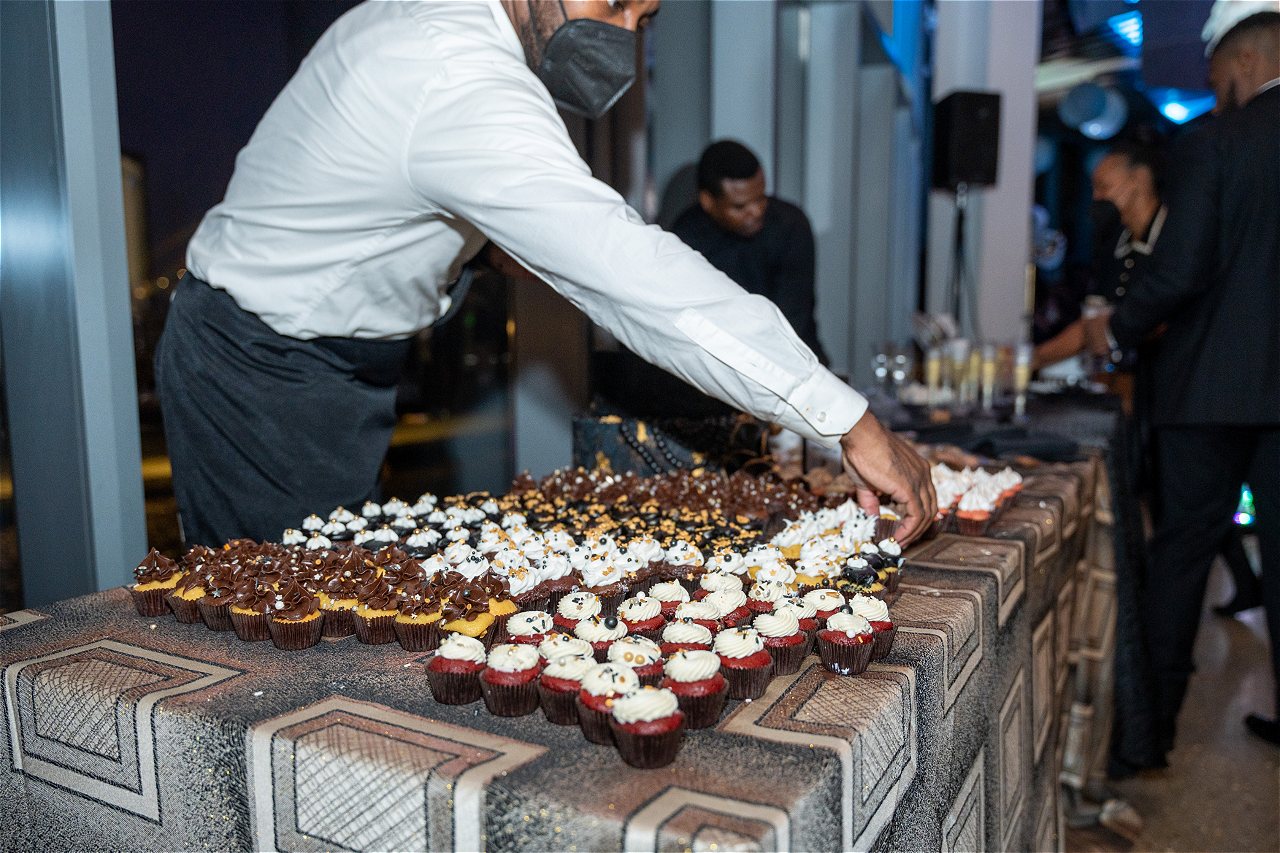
1260 23
1136 153
725 160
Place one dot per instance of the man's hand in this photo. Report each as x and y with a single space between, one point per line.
1095 333
883 464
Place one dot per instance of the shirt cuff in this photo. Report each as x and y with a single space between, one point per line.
827 406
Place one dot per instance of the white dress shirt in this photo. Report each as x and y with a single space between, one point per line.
413 132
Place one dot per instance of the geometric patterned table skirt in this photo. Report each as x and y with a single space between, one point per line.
128 733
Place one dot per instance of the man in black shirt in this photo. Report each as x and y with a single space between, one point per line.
761 242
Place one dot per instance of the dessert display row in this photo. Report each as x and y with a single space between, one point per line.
553 590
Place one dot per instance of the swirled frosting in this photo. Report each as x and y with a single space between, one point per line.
558 645
778 623
634 651
579 605
725 601
738 643
728 562
849 623
768 590
609 679
669 591
697 610
691 665
869 608
461 647
682 553
797 605
715 581
645 705
824 599
569 667
529 623
686 632
512 657
595 630
780 572
639 609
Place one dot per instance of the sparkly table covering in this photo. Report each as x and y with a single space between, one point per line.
125 733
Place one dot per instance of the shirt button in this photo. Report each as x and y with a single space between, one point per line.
822 417
1119 291
1128 263
1124 276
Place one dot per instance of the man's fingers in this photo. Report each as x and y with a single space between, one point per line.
912 523
867 499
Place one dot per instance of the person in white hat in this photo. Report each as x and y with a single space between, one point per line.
1212 285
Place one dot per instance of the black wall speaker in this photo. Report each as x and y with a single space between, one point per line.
966 140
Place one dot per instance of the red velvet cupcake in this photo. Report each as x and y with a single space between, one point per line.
510 680
702 613
824 602
845 645
765 595
648 727
454 673
686 635
694 676
875 612
731 607
600 633
559 685
529 627
601 685
670 595
783 639
642 616
744 662
642 655
575 607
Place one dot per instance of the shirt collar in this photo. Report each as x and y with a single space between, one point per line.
1143 247
1270 84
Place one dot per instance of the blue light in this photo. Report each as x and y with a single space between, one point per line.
1181 105
1127 26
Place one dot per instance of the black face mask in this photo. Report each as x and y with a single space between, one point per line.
588 65
1105 217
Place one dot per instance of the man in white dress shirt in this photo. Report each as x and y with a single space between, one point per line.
413 134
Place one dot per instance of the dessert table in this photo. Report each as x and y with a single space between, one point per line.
131 733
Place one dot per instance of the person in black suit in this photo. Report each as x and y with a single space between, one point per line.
1214 289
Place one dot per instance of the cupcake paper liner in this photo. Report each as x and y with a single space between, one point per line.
184 611
251 627
891 582
885 527
595 724
787 659
498 630
884 642
844 658
293 636
747 682
510 700
609 603
339 622
648 751
702 712
559 706
651 678
454 688
149 602
216 615
376 630
972 526
417 637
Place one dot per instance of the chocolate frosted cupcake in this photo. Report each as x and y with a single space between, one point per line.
296 620
783 639
510 680
744 662
184 599
648 727
417 622
694 677
215 604
250 610
641 654
558 687
375 612
155 577
454 673
601 686
846 644
465 606
893 561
